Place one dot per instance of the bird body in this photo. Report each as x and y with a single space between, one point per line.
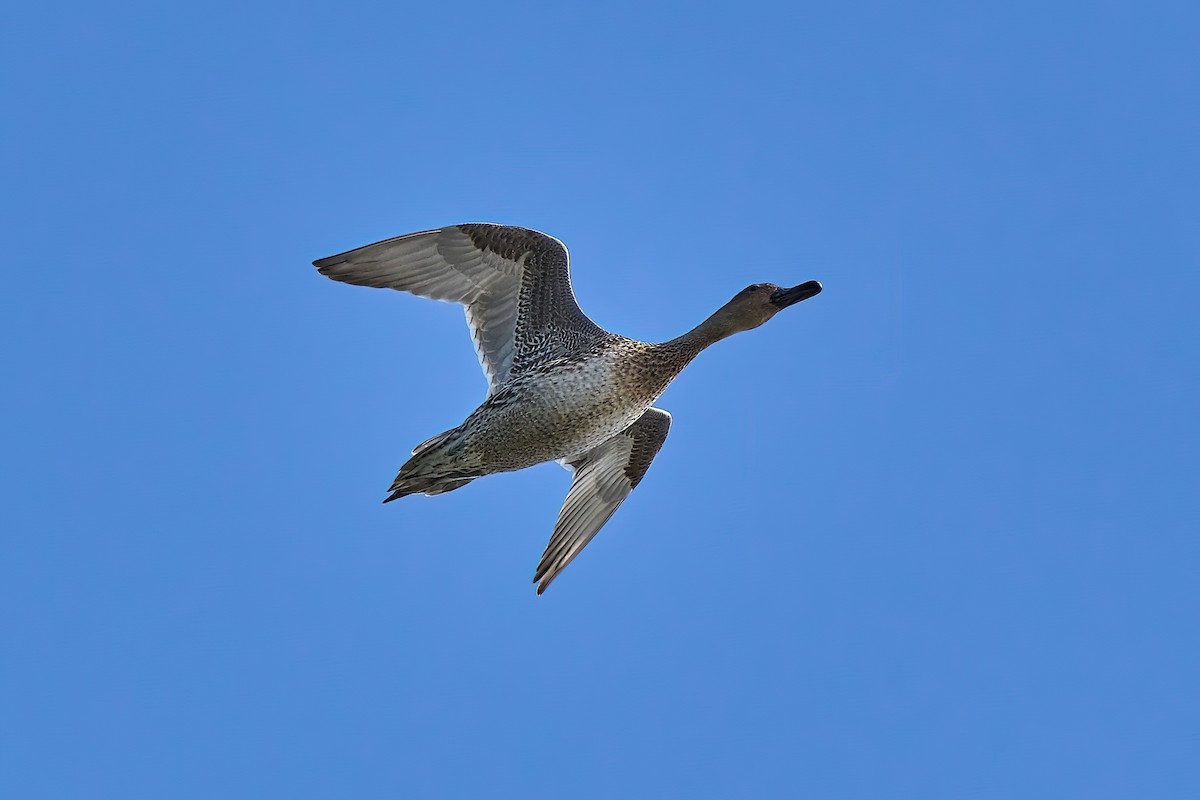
571 404
560 387
556 411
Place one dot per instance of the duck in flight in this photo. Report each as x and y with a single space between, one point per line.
560 387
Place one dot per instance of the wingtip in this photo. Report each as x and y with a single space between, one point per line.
324 265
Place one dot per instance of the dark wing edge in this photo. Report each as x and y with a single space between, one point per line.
514 282
549 321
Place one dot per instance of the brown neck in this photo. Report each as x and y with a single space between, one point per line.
713 329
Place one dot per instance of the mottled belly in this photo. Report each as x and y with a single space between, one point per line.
551 422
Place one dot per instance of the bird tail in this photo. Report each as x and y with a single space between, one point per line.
429 487
435 468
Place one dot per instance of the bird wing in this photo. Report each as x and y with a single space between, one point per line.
604 477
514 282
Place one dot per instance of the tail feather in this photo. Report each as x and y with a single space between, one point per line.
396 495
433 441
448 486
435 468
430 490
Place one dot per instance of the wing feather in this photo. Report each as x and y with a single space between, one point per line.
604 477
514 282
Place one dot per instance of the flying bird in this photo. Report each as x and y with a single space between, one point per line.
560 387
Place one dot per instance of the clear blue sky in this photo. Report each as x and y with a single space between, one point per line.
933 534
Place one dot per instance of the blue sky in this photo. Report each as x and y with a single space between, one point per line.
932 534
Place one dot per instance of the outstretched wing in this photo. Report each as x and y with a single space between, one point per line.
604 477
514 282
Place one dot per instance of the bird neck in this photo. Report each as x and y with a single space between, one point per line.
712 330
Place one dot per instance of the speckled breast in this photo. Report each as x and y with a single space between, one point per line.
565 409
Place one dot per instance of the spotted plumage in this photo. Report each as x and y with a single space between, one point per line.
560 387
